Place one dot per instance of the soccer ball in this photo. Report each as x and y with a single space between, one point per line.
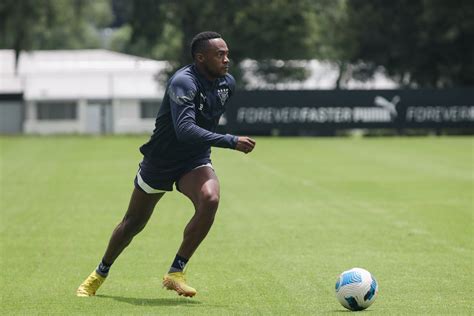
356 289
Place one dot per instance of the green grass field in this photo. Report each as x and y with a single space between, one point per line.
293 215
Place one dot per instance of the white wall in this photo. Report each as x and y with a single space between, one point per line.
127 118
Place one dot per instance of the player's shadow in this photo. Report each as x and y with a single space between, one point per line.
153 301
337 311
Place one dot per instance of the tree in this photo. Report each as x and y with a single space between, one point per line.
261 30
18 20
420 43
52 24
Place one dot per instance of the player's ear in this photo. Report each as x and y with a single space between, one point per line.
200 57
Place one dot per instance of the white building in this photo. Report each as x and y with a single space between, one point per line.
79 91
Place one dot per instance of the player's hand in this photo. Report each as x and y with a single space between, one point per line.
245 144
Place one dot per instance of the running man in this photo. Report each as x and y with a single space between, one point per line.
178 153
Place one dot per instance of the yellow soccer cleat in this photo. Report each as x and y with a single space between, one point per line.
90 285
176 281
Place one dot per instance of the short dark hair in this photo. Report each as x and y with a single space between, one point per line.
199 42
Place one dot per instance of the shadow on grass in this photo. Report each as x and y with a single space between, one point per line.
348 311
153 301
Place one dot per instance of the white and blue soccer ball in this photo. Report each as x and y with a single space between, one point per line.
356 289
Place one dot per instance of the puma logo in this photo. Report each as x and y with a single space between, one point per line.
390 106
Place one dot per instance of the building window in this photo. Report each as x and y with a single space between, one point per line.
149 108
57 110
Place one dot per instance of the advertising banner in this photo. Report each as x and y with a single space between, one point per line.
319 111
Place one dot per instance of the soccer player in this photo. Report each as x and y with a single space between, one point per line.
178 153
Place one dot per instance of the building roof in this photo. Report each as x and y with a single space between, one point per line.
72 74
9 82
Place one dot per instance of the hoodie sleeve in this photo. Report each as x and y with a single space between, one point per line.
181 92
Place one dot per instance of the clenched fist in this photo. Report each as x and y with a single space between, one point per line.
245 144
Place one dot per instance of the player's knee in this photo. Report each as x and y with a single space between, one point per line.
209 200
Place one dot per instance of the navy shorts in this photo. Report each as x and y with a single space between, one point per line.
151 179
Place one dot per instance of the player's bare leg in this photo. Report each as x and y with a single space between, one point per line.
139 211
201 186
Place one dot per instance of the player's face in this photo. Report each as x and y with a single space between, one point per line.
216 58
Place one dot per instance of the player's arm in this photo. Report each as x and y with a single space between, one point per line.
182 92
244 144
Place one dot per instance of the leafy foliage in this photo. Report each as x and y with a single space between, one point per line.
419 43
52 24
